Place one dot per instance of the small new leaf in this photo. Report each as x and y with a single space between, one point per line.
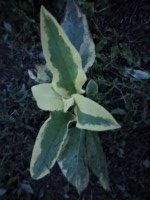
49 142
42 74
91 89
92 116
47 99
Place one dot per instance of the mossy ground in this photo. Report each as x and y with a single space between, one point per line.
125 26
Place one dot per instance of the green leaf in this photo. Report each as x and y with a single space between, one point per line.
103 58
91 88
92 116
61 56
47 98
114 52
97 159
76 27
137 60
100 45
72 160
127 55
49 142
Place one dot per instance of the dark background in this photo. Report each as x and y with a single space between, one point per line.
113 23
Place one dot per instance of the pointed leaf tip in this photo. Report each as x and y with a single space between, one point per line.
91 88
72 160
96 159
92 116
76 27
49 142
61 56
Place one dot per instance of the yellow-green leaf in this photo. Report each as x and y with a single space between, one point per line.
50 139
92 116
61 56
68 103
47 98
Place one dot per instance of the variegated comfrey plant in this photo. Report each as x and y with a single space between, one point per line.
67 135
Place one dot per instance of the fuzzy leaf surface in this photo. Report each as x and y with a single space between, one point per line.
96 159
76 27
92 116
68 103
41 74
46 98
72 160
91 88
49 142
61 56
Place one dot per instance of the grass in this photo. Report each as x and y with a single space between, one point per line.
127 150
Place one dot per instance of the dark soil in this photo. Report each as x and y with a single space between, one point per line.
127 150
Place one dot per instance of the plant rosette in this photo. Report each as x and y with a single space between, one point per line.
76 147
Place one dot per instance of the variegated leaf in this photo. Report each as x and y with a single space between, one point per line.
97 159
47 98
76 27
49 142
72 160
61 56
92 116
